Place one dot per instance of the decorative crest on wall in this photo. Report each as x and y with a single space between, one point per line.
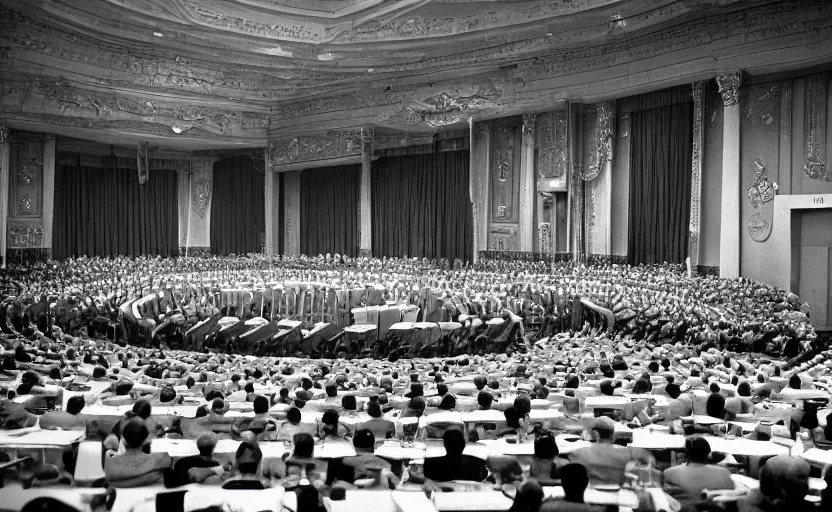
602 151
452 106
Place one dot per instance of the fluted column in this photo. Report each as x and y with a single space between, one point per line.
4 188
527 184
365 248
480 154
729 239
48 190
291 237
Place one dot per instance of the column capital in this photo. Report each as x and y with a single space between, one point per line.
529 121
729 84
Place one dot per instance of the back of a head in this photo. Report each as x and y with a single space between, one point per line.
304 445
349 403
206 444
454 442
448 403
575 480
795 382
485 399
785 479
479 382
523 404
374 410
261 404
331 390
364 440
698 449
75 404
715 405
528 498
142 409
441 389
168 394
248 458
330 417
545 447
512 416
134 432
607 388
744 389
673 390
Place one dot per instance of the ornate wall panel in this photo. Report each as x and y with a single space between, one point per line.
696 173
505 169
504 237
26 175
815 158
552 146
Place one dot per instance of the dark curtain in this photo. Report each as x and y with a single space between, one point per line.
422 207
106 212
329 209
238 219
660 177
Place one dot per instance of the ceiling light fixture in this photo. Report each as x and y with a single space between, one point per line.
177 129
158 34
325 56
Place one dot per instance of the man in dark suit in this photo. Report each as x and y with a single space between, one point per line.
686 482
455 465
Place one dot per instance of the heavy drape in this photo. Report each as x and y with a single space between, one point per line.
660 177
238 219
105 212
422 207
329 210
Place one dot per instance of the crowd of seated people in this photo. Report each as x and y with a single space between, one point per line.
574 418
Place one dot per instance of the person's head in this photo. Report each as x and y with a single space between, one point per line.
607 388
744 389
714 387
698 449
248 458
653 366
374 409
485 399
123 387
206 444
75 404
528 498
454 442
142 409
513 417
167 394
349 403
416 389
523 404
134 432
284 393
441 389
575 480
545 447
572 382
261 404
673 390
715 405
249 387
330 418
417 404
785 481
331 390
641 386
364 441
304 445
666 364
479 382
795 382
293 415
306 383
217 405
189 382
99 372
604 428
448 403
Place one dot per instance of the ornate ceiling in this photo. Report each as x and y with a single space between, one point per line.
200 74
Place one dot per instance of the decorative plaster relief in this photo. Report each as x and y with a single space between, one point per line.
815 128
601 151
728 86
332 144
202 172
454 105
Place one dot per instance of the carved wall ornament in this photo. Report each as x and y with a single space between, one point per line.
601 151
451 107
26 173
815 128
763 190
25 236
758 227
142 163
551 144
729 85
202 170
696 171
4 133
545 237
529 121
305 148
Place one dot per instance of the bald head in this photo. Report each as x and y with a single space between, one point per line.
206 444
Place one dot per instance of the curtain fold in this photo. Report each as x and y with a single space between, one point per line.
329 210
106 212
660 178
238 209
422 207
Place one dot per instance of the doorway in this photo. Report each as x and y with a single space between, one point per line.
815 252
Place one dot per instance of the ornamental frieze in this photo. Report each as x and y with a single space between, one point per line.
304 148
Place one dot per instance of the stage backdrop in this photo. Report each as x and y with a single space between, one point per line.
238 221
106 212
329 209
422 207
660 167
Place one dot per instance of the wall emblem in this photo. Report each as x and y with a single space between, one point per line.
759 228
760 194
